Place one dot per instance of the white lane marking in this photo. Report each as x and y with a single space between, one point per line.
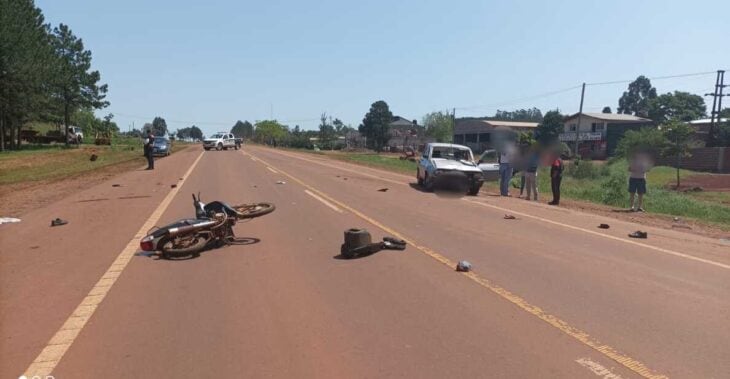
325 202
272 170
347 169
624 240
597 368
51 355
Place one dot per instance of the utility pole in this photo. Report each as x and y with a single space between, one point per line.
453 124
716 105
580 114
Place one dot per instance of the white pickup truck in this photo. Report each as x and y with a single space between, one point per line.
221 141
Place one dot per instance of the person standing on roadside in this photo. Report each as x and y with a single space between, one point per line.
505 169
533 161
148 143
556 176
638 166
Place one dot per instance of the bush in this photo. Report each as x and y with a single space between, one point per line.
614 188
583 169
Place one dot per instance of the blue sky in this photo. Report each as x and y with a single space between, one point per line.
214 62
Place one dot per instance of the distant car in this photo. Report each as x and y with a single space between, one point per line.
161 146
445 164
221 141
75 134
489 164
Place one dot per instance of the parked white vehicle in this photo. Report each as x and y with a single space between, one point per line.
220 141
449 165
489 164
75 134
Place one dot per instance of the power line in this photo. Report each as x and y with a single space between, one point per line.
534 97
652 78
204 122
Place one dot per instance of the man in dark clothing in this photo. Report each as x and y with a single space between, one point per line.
148 143
556 176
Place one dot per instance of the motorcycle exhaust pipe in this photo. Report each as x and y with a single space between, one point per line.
174 232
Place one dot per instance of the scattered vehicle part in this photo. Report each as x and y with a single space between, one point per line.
639 234
8 220
445 164
383 190
604 226
213 223
58 222
463 266
358 243
173 185
116 185
510 217
280 182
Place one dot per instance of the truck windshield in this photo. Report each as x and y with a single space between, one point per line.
453 153
218 136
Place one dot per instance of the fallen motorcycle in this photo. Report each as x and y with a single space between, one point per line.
213 224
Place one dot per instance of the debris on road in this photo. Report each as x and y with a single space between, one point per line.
280 182
391 243
604 226
358 243
116 185
463 266
8 220
509 217
383 190
58 222
173 185
639 234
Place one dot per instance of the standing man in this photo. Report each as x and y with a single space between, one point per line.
148 143
556 176
533 161
638 166
505 169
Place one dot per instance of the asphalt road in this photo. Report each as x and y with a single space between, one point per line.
550 295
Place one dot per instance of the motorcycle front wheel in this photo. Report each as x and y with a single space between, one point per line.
183 246
254 210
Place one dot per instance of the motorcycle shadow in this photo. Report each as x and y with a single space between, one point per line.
238 241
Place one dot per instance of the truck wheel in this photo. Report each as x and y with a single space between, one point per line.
474 189
428 183
219 147
206 148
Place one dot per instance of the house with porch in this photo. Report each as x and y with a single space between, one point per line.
478 134
598 133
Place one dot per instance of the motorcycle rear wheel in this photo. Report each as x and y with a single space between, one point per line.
184 246
254 210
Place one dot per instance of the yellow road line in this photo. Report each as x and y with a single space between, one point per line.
592 232
272 170
51 355
581 336
323 201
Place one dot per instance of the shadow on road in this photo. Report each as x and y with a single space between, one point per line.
452 193
239 241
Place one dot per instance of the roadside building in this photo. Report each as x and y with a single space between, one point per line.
477 134
406 133
599 133
702 127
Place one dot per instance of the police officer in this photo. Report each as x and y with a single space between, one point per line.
148 143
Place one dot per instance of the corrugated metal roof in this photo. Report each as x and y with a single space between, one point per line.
707 121
511 124
612 117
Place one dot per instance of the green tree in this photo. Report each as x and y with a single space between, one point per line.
636 99
75 85
650 140
242 129
159 126
326 132
270 132
376 125
725 113
678 142
606 109
681 106
195 133
26 60
723 134
339 127
548 130
526 115
439 125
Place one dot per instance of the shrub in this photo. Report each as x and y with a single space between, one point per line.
583 169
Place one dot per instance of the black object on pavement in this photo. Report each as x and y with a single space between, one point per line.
358 243
603 226
639 234
58 222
